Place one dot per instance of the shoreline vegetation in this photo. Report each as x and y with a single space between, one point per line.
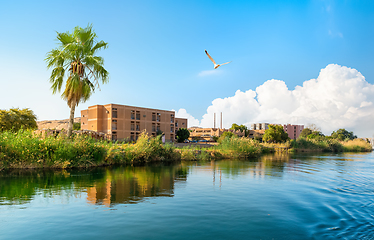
24 149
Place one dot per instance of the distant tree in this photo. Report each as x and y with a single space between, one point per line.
343 134
235 126
313 127
75 58
77 126
305 132
182 134
226 135
275 134
310 133
15 119
159 132
241 128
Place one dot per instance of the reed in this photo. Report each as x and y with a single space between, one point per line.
239 147
24 149
357 145
331 145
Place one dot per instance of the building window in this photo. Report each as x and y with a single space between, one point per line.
132 114
137 115
114 113
158 117
176 124
132 137
136 136
153 116
182 123
172 118
171 128
114 124
158 127
137 126
132 126
153 127
114 137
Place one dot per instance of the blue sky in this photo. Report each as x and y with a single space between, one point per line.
156 49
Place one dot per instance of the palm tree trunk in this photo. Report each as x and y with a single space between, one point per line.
71 120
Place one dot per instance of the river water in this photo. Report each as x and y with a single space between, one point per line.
314 196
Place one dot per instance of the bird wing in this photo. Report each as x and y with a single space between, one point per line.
225 63
211 59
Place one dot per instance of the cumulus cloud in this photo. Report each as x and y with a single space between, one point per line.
191 121
339 98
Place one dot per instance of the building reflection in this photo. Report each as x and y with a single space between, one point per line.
133 184
273 165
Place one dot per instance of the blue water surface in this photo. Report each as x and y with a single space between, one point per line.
304 196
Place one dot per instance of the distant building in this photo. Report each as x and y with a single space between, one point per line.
293 131
259 126
121 122
256 133
209 133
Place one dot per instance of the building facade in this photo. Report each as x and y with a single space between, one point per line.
209 133
122 122
259 126
293 131
256 133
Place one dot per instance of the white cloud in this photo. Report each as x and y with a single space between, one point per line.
339 98
209 72
335 34
191 121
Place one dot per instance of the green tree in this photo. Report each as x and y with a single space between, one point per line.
226 135
310 133
77 126
76 58
182 134
15 119
305 133
241 128
275 134
343 134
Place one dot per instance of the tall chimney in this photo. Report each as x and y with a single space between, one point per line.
221 120
214 120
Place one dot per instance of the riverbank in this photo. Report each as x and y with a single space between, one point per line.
25 150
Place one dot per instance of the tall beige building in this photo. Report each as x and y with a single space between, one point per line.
123 122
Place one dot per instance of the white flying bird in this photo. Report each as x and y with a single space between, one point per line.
215 64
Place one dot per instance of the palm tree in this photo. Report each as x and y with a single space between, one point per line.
75 57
